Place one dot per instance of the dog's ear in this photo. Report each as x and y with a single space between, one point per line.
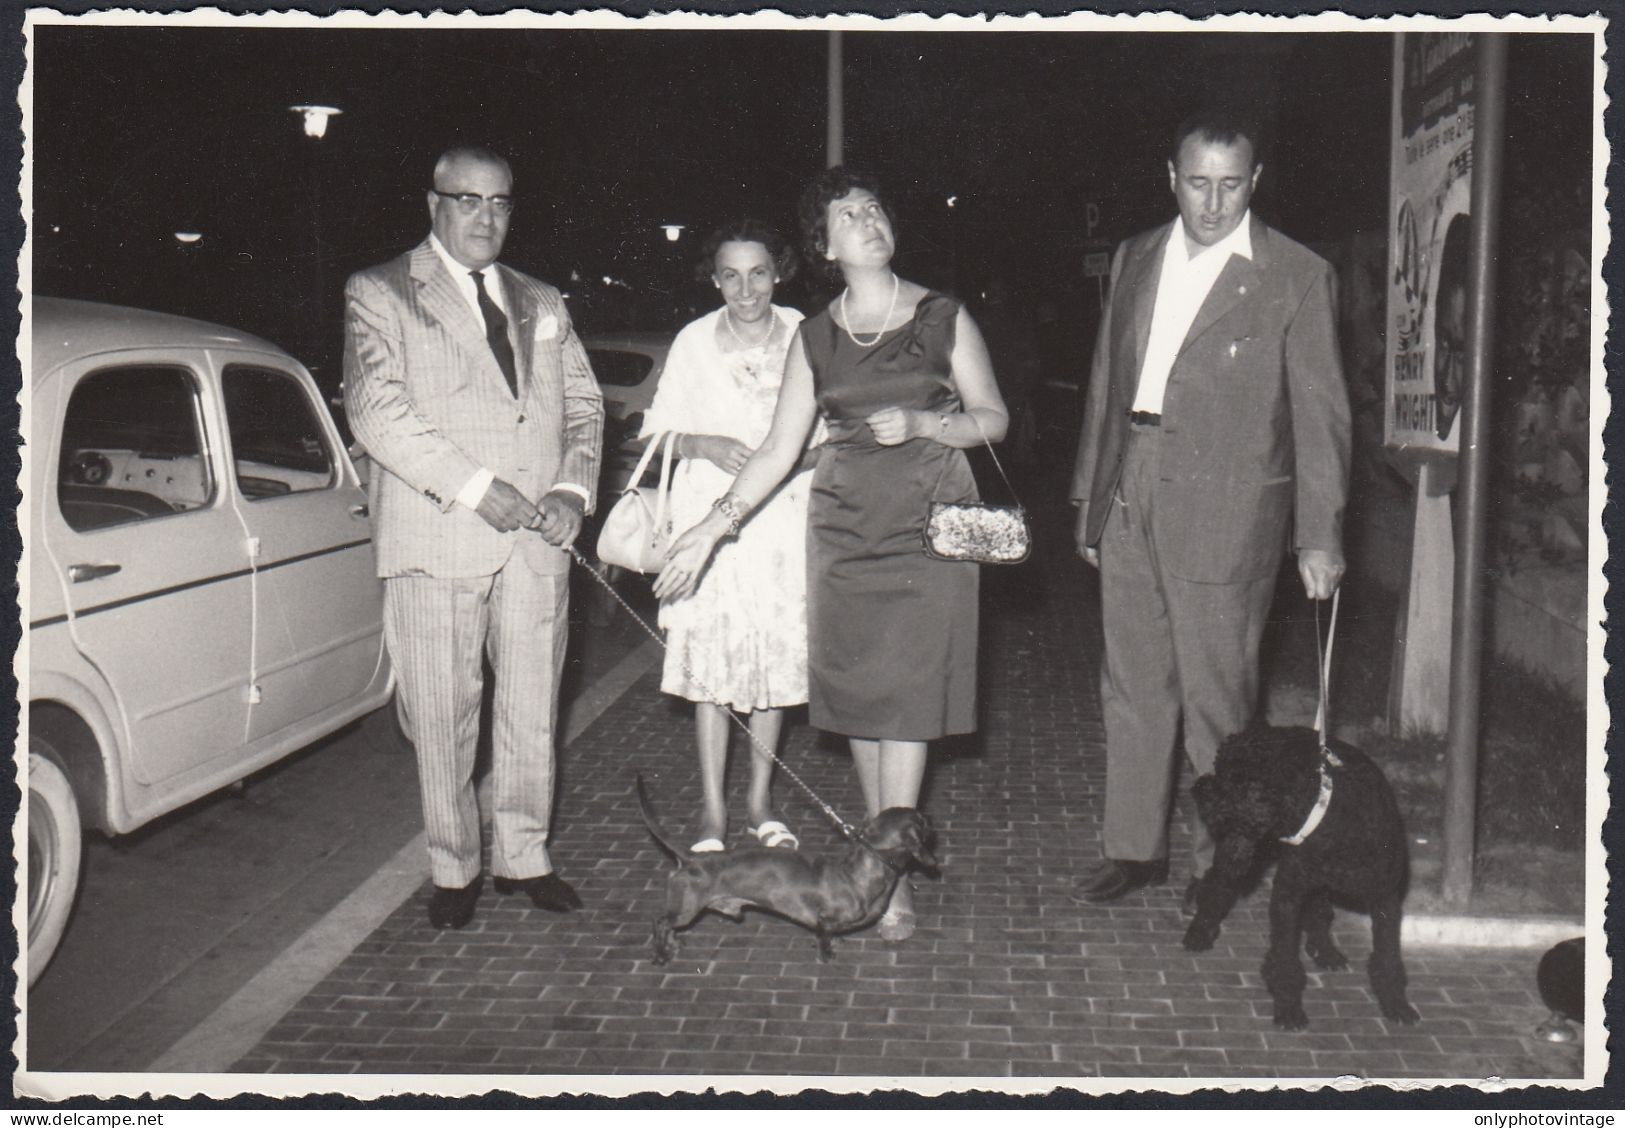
1255 807
1235 805
920 838
1233 856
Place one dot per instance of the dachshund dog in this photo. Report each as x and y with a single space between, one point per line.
1342 834
828 896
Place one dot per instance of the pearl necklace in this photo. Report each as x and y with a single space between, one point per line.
728 322
891 309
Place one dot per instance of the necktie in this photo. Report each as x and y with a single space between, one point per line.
496 332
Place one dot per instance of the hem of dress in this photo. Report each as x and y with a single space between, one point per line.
913 739
683 695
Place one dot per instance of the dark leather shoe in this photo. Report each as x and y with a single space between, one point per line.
550 891
1109 879
453 908
1187 906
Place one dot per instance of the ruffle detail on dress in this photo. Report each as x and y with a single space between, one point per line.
934 309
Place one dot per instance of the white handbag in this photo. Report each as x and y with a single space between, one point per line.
637 532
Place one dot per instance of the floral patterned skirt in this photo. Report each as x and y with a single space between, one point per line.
741 638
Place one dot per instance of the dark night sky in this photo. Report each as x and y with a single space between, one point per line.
139 132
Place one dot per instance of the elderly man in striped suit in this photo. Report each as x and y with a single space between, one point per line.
472 393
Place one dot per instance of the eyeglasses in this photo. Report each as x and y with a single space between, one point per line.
468 203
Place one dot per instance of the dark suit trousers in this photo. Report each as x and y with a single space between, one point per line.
1175 650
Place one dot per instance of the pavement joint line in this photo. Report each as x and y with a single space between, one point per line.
237 1025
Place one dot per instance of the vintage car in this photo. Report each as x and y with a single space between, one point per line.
628 368
201 589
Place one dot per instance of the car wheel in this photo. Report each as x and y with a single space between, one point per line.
54 840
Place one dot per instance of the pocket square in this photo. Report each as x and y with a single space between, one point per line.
547 328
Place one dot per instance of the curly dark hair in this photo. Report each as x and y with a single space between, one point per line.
827 187
747 230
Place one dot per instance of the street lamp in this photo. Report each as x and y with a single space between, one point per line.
674 231
188 238
316 118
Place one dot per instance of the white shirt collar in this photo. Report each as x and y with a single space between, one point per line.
463 276
1238 242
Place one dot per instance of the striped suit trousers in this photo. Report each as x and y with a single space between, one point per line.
438 631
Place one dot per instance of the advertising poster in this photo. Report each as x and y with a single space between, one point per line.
1429 195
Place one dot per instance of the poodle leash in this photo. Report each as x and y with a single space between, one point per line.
847 829
1323 661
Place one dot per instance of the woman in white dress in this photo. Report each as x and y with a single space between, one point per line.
739 641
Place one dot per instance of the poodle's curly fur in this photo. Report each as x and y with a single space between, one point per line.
1264 784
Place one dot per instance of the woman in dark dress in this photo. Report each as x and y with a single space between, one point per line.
902 377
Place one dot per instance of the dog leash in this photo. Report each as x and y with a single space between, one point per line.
1328 758
847 829
1323 662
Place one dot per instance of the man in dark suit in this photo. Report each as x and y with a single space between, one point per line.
1216 433
472 393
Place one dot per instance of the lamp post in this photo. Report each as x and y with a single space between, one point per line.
835 98
314 117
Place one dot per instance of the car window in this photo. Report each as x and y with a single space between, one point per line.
278 445
619 369
132 447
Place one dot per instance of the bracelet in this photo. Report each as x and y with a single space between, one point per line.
942 425
733 509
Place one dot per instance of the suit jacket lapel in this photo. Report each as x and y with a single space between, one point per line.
442 300
1238 278
522 313
1143 282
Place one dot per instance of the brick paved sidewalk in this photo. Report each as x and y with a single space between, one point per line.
1006 977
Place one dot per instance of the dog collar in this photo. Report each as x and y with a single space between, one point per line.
856 835
1328 761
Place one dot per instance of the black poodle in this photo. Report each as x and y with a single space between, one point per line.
1343 836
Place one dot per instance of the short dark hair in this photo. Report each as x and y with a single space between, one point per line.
747 230
1220 125
828 186
480 153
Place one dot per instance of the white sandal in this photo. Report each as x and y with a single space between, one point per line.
897 924
708 846
774 833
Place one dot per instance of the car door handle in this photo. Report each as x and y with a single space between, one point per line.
79 573
359 510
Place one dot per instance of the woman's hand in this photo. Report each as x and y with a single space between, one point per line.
687 558
728 454
893 425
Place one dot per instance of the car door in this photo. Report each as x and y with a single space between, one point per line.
318 626
149 555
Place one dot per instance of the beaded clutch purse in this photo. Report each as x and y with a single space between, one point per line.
976 532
